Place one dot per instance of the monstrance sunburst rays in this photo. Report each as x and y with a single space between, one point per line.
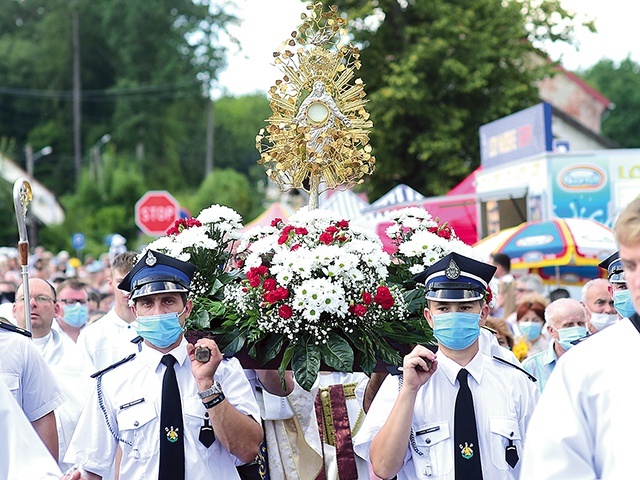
319 130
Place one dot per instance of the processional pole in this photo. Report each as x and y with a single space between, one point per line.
22 196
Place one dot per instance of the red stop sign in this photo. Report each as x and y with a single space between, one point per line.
156 212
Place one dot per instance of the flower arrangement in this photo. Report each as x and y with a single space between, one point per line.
420 241
207 241
316 290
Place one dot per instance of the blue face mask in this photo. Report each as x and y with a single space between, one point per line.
456 330
76 315
531 330
160 330
570 334
622 303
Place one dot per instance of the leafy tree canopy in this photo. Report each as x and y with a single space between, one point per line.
620 83
436 71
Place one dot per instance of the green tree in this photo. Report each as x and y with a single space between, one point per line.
226 187
436 71
620 83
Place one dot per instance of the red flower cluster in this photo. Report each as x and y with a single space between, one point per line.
182 224
382 297
272 293
489 295
443 231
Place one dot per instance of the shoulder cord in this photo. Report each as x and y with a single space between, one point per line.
412 437
106 415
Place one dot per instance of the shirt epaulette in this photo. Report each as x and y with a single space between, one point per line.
517 367
489 329
581 339
115 365
12 328
137 340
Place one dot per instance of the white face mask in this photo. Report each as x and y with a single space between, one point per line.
603 320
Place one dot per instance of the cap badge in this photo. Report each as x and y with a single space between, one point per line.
453 271
151 259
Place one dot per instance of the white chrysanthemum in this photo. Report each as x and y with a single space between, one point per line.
315 296
195 237
163 245
227 218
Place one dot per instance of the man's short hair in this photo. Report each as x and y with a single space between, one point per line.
627 227
124 262
531 281
560 308
73 284
558 293
503 260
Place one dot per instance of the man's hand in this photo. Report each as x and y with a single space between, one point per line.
203 372
418 366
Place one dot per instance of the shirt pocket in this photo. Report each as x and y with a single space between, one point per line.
503 432
431 450
138 427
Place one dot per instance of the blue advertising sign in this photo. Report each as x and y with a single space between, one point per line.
78 241
519 135
581 188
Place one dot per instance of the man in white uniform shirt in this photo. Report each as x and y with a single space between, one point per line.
173 416
109 338
67 363
30 381
412 429
586 423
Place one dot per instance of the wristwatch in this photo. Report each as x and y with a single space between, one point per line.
215 389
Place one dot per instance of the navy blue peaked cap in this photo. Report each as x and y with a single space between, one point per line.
613 266
156 272
456 278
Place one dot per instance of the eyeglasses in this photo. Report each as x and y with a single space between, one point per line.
38 299
71 301
521 290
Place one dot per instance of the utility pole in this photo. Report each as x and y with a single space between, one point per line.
77 120
208 159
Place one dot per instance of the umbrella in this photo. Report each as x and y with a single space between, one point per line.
566 250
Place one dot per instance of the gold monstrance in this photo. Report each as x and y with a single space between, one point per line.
318 133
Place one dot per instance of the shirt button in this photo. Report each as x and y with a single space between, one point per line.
428 440
136 423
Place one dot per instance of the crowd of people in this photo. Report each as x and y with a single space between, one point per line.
107 386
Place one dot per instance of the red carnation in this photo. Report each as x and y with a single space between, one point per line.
489 295
445 232
254 281
367 298
343 224
301 231
358 310
275 222
331 229
326 238
281 293
295 246
262 270
269 284
384 298
285 311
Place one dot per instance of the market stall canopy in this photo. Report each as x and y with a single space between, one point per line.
561 250
346 204
275 210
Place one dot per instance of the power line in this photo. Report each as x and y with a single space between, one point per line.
145 91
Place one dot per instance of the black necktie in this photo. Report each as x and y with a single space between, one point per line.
171 427
465 436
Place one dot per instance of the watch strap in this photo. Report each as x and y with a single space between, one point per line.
215 389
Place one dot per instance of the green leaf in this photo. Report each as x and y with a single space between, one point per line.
286 359
270 347
232 342
337 353
306 363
